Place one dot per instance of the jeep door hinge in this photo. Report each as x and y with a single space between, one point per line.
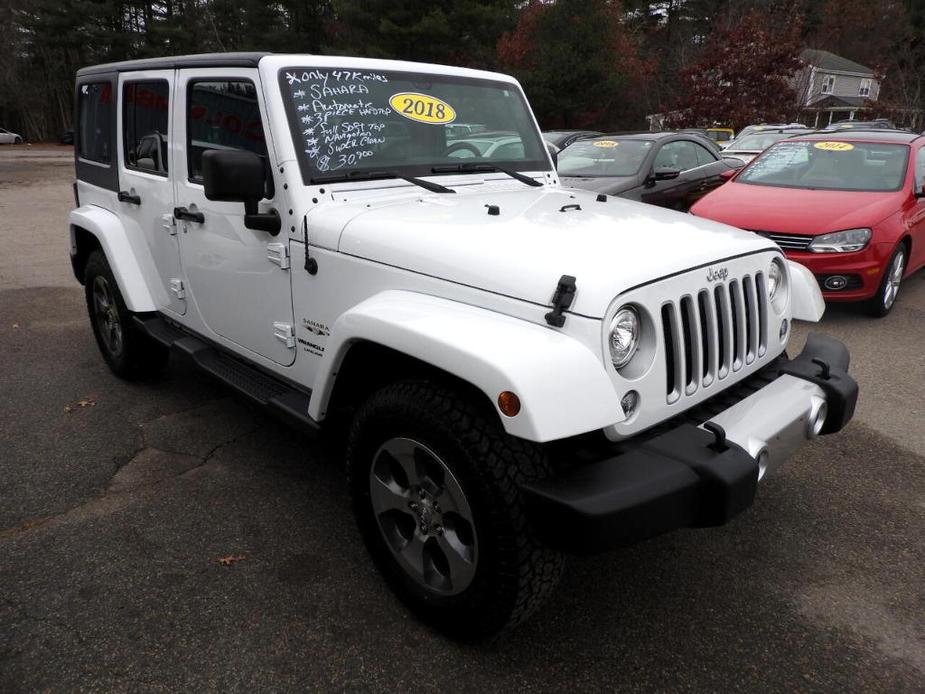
284 333
278 253
169 224
176 286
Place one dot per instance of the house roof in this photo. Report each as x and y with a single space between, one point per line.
830 61
832 101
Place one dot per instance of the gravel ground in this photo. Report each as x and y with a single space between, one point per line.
118 501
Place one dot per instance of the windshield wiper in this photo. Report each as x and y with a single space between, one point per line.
485 168
381 175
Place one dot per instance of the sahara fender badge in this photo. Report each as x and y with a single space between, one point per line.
422 108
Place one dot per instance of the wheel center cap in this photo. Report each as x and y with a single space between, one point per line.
425 512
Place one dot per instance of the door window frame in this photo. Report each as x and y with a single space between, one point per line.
125 105
190 84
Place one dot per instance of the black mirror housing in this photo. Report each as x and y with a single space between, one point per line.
665 173
239 176
233 176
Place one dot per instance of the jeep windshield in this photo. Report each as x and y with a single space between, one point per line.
411 124
829 165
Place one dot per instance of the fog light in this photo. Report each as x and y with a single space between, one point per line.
509 403
629 403
835 282
784 327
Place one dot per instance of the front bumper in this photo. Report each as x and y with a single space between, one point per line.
697 476
864 270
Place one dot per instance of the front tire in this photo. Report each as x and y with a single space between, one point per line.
129 353
885 298
435 487
17 141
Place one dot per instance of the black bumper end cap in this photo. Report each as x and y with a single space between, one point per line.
824 361
673 481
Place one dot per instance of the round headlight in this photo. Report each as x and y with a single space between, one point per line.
624 336
775 279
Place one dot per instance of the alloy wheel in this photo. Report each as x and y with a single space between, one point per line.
894 279
424 516
107 315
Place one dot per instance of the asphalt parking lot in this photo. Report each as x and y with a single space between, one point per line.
167 537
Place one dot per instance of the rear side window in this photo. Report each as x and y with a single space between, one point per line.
145 108
704 156
222 115
95 122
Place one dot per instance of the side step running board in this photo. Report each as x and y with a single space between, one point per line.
284 400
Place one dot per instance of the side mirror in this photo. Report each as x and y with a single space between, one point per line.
728 174
239 176
665 173
553 154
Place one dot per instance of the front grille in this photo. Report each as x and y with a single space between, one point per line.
714 333
787 242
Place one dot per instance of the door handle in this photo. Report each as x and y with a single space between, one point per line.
186 215
125 196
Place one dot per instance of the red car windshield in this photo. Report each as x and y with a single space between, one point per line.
830 165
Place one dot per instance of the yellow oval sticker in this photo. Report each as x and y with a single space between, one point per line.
422 108
605 143
834 146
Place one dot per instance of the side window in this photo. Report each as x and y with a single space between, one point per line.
919 169
95 122
704 156
679 155
145 107
222 115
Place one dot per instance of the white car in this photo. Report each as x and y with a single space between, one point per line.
9 138
524 371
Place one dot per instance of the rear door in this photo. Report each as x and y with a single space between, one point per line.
146 197
238 277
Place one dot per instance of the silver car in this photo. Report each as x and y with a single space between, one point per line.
9 138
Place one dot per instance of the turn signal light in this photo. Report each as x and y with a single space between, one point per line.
508 403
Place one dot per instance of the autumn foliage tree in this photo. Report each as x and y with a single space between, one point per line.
746 74
578 62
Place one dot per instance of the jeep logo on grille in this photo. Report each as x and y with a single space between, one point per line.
717 274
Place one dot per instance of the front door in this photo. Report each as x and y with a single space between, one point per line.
146 193
238 277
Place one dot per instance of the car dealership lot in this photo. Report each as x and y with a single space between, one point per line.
167 536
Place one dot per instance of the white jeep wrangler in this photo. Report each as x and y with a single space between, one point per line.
522 370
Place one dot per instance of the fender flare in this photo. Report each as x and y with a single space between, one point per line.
805 296
110 233
563 386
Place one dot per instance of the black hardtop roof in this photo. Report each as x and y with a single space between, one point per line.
249 59
872 135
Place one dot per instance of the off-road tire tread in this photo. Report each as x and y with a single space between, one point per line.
528 571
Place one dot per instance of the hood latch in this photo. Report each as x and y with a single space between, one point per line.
561 300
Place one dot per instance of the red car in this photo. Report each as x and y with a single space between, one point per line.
849 206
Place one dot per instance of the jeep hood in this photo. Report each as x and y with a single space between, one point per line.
537 235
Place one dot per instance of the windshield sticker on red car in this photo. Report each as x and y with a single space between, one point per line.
834 146
422 108
605 143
